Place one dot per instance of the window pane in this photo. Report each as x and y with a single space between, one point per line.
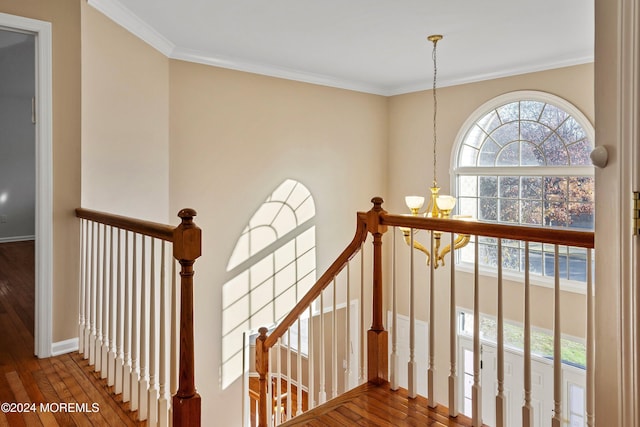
510 155
468 206
555 152
555 214
488 153
488 255
509 186
468 156
468 186
549 265
535 261
581 215
531 212
579 153
578 265
509 112
530 155
509 210
531 187
511 258
581 188
530 110
475 137
488 210
488 186
555 188
506 134
534 132
489 122
571 131
552 116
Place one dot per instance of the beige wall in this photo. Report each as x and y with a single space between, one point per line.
410 172
65 18
125 121
234 138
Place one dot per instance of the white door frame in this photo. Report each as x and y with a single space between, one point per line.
44 177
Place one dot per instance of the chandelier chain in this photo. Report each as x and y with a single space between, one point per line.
435 114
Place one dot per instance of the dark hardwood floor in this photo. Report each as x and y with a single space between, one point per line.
34 391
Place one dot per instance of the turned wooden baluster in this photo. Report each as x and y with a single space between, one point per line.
377 337
187 248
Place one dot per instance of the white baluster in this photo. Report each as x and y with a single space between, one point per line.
94 297
278 414
476 390
412 368
119 330
312 395
334 346
152 413
393 375
289 407
143 384
322 394
83 285
431 372
88 296
99 294
106 309
500 397
527 408
127 372
163 403
590 344
299 369
453 329
347 351
557 357
135 328
111 355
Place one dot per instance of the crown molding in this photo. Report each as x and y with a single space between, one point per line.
534 67
274 71
124 17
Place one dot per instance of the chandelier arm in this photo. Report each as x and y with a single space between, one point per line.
416 245
461 241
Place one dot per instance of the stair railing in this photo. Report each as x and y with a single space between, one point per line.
132 312
272 410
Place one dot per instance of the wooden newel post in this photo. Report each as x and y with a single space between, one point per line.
377 337
262 367
187 247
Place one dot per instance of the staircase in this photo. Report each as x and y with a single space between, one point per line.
344 372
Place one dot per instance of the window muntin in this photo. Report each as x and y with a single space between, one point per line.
523 159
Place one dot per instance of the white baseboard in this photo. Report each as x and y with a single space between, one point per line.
63 347
16 239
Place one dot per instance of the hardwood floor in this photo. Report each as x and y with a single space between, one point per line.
371 405
58 391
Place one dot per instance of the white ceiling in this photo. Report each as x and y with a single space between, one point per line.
376 46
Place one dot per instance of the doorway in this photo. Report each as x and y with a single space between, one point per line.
39 113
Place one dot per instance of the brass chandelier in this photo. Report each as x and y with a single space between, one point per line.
440 206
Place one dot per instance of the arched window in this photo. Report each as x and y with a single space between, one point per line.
523 158
271 267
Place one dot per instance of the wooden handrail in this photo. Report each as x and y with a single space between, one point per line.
187 247
560 236
148 228
322 283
